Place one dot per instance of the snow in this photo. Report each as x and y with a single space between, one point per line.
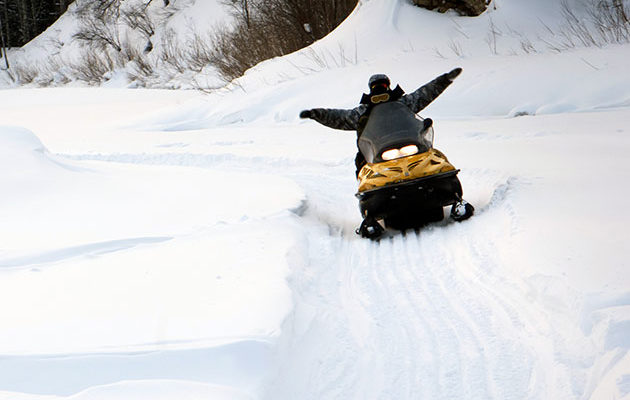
182 245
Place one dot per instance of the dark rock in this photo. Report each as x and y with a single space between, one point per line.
471 8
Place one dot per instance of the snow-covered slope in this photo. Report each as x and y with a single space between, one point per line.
174 244
55 56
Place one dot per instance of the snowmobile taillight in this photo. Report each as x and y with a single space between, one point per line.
405 151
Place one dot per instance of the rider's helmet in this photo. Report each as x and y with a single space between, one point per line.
379 81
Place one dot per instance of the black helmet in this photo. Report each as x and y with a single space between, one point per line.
378 79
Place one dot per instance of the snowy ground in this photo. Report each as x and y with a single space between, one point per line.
177 245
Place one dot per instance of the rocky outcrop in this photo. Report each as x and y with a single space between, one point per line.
470 8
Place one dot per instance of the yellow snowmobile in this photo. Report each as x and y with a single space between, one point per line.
406 182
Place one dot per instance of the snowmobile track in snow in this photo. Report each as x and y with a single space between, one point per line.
424 314
419 314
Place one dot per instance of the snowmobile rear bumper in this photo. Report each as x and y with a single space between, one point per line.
411 198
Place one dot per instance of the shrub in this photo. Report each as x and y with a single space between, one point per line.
268 28
607 23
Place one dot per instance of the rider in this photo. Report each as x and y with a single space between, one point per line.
356 119
380 92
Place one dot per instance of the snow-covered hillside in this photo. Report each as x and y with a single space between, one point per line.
180 245
58 58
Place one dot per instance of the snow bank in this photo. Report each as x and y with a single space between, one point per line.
53 57
144 389
104 196
115 260
20 147
413 46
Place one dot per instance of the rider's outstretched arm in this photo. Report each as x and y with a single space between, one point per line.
335 118
424 95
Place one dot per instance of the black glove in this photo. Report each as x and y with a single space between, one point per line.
305 114
454 74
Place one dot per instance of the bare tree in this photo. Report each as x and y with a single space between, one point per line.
25 19
99 23
241 9
138 19
3 47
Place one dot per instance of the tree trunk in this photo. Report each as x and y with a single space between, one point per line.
6 32
3 48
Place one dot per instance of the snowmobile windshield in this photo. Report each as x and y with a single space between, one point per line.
393 126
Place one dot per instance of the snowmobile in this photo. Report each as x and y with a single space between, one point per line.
406 182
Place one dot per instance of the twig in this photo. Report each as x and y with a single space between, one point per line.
589 64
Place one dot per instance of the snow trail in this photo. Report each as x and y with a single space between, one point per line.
426 314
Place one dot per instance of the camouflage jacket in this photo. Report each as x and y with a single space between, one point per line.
351 119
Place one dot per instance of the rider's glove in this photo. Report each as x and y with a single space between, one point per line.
305 114
453 74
